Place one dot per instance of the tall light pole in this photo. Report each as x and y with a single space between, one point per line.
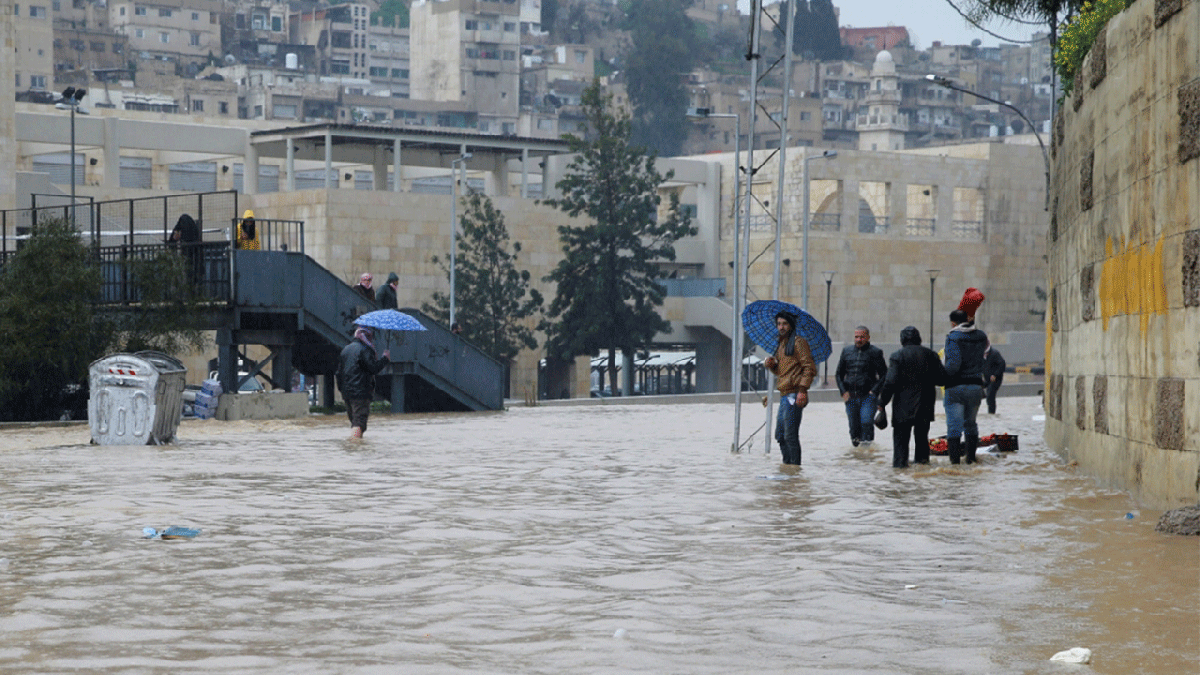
828 154
461 161
949 84
932 278
735 337
70 99
828 274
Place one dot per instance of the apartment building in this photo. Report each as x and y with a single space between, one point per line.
184 32
466 50
33 37
388 59
339 34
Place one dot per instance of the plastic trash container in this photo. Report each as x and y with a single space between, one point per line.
135 399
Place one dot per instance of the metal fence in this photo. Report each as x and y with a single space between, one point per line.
825 222
967 229
919 227
694 288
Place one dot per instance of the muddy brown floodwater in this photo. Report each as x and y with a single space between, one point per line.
609 539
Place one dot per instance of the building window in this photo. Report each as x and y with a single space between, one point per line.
195 16
37 12
16 10
139 33
197 105
77 45
164 38
223 107
510 27
472 24
510 55
164 12
56 5
378 71
98 47
259 22
277 24
580 57
194 40
18 80
122 12
545 125
139 11
37 81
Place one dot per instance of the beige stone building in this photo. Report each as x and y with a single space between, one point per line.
1122 353
174 29
467 50
33 46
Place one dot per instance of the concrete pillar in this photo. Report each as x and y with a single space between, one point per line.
944 196
556 166
524 173
291 165
708 219
897 198
397 185
849 205
713 368
250 175
281 366
498 177
112 153
379 169
328 160
626 373
227 360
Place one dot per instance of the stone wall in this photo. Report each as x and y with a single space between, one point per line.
882 278
1123 335
8 135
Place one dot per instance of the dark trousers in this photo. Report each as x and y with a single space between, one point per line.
919 430
787 430
992 388
860 413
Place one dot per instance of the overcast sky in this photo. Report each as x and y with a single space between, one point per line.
926 20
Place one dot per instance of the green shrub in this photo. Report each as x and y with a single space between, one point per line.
1078 34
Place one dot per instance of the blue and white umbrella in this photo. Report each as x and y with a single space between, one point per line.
759 321
388 319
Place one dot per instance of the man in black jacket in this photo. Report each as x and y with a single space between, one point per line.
993 373
860 373
387 292
357 367
914 373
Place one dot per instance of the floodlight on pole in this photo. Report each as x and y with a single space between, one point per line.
70 100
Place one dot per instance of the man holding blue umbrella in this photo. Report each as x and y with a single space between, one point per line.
794 369
357 367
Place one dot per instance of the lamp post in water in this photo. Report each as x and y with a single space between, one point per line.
828 274
932 278
461 162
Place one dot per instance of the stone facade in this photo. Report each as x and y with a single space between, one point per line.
1123 264
8 130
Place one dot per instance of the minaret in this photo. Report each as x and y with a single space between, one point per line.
881 127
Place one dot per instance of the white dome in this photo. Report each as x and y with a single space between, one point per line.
884 57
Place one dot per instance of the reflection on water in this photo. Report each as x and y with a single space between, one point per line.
574 540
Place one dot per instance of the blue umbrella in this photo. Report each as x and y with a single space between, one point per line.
388 319
759 321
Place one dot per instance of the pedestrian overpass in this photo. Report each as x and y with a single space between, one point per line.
277 297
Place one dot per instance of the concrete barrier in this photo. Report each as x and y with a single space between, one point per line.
262 405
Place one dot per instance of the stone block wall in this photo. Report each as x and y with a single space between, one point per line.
1124 252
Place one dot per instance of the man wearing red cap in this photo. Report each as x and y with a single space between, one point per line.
965 345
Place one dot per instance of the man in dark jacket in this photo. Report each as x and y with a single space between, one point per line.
914 373
860 373
965 345
187 235
993 373
387 292
357 367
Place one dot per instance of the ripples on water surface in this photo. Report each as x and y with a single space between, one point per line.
613 539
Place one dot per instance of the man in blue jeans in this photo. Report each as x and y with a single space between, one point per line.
860 373
965 345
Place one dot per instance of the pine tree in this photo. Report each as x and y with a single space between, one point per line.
608 293
493 301
664 49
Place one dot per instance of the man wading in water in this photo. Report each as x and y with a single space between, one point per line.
794 370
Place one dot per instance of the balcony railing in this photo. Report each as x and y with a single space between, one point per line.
825 222
919 227
967 229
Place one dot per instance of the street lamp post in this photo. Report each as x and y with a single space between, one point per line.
828 154
70 100
739 298
460 162
828 293
949 84
932 278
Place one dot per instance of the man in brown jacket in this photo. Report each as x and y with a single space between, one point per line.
794 370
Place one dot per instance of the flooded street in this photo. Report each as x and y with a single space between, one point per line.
605 539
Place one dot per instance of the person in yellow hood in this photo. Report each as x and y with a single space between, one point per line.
247 233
